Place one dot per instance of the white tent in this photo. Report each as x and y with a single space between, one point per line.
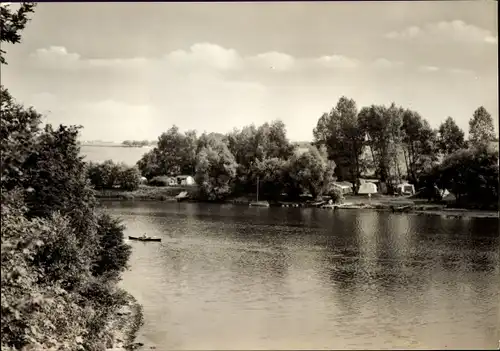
406 188
367 188
345 187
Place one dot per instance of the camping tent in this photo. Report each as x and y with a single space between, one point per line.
406 188
367 188
345 187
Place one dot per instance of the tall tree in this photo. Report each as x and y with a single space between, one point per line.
252 145
382 125
175 154
243 145
451 137
339 131
215 171
272 142
12 23
272 177
481 129
312 171
149 164
472 175
419 141
209 139
17 129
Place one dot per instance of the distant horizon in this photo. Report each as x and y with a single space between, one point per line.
121 141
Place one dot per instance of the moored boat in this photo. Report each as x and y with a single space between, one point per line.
259 204
406 208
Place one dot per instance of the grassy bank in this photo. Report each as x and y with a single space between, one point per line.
417 206
377 202
146 193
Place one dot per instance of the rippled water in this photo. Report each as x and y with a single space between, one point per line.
233 277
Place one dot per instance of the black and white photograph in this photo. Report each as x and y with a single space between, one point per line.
287 175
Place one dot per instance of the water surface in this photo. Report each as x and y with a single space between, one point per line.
233 277
127 155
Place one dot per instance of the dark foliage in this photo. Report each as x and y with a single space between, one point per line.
109 175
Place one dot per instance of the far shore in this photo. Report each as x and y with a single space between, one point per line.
119 145
351 202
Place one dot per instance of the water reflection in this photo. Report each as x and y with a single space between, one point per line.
233 277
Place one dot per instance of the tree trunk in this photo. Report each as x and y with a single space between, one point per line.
396 163
375 163
356 165
406 162
412 162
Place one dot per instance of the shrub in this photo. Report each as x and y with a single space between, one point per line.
336 195
129 179
58 288
127 196
108 174
102 175
113 252
472 176
49 298
36 310
159 181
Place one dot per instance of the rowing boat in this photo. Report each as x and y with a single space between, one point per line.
140 238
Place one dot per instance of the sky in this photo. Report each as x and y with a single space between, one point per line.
132 70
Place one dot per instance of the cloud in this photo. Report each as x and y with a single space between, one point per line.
206 55
453 71
273 60
336 61
410 32
56 57
201 57
134 62
460 71
428 69
457 31
385 63
491 39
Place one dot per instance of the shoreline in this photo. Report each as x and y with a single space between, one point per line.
125 325
419 207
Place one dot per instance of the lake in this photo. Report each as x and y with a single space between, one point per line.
235 277
127 155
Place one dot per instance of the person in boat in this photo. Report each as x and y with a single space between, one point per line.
144 236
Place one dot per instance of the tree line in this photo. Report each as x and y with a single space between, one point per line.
390 143
231 164
137 143
61 257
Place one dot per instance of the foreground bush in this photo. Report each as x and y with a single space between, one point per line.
114 253
60 257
